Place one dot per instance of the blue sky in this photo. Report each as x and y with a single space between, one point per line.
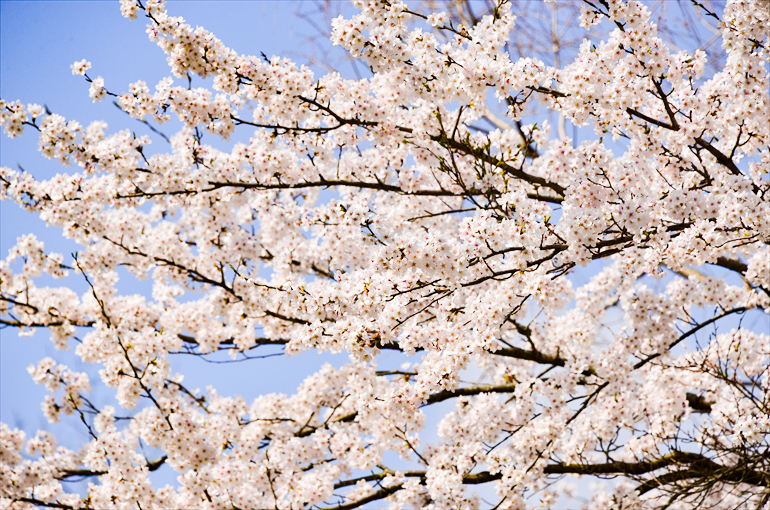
38 43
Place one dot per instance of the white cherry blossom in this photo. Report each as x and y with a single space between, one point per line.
612 296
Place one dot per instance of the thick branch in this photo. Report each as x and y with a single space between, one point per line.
694 466
697 466
464 392
380 494
69 473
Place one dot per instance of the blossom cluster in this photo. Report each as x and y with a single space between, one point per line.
374 215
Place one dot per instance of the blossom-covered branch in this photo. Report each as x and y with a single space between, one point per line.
577 303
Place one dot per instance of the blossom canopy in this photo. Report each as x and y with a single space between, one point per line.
610 297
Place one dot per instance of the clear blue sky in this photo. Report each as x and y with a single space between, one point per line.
38 43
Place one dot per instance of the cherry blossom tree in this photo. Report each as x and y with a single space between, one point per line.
613 294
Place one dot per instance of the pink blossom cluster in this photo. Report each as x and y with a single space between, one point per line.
371 216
